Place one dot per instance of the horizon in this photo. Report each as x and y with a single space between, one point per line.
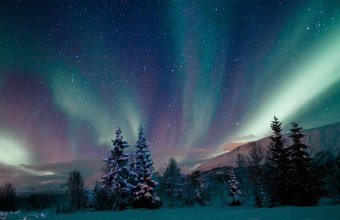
200 77
52 177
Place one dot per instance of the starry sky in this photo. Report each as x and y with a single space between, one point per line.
200 76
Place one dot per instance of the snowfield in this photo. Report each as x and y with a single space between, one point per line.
210 212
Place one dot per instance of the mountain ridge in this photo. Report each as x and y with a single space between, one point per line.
320 139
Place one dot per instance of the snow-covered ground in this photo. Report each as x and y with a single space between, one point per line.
325 212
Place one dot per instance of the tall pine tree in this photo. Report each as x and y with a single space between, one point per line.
117 173
278 159
144 188
303 182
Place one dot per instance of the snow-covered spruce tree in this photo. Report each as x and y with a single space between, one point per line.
234 189
145 184
115 180
89 198
132 178
303 182
172 185
278 161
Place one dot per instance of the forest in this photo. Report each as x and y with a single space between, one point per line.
283 175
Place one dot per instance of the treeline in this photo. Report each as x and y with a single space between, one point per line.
10 201
282 175
130 181
286 174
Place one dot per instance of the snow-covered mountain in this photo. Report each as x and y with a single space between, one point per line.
324 142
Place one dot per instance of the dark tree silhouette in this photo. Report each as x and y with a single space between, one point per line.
75 185
7 198
303 182
172 184
278 161
242 171
102 198
257 176
332 181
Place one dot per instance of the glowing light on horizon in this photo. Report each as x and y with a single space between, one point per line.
35 172
12 151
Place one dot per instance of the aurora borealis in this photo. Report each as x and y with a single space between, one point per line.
198 75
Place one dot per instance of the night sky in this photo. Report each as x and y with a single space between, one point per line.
199 76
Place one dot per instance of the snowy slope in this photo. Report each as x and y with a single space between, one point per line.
324 139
